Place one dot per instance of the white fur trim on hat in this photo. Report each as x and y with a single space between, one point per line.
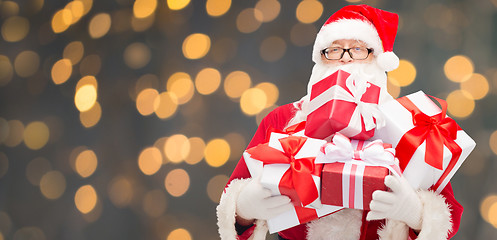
346 29
344 225
436 220
226 213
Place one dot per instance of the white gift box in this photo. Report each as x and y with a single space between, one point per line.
399 121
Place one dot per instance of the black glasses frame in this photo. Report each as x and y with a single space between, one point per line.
323 52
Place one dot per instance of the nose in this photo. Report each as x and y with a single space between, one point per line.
346 58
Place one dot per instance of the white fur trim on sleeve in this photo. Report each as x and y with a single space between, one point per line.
436 220
344 225
226 213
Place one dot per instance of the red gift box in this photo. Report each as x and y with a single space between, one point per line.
338 103
353 170
350 185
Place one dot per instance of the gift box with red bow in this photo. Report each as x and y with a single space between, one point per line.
285 165
354 169
341 103
430 145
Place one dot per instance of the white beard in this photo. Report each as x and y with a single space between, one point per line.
370 72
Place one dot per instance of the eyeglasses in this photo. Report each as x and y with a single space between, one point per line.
356 53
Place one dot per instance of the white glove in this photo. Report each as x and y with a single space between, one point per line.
402 203
256 202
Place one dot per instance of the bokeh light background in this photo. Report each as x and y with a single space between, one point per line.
123 119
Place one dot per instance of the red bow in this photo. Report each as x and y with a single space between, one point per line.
299 176
438 131
289 130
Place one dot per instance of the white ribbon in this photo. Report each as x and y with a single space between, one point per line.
368 111
372 154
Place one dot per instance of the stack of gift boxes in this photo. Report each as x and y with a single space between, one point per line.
349 143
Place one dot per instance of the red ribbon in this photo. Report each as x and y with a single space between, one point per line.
299 175
289 130
438 131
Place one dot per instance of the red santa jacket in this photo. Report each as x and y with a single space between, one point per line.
279 119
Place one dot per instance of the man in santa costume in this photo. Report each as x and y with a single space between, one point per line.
358 39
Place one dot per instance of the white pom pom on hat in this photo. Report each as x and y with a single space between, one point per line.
375 27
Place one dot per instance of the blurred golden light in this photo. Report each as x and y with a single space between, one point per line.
197 146
177 4
6 70
236 83
253 101
150 160
485 206
87 80
196 46
145 101
85 198
86 163
87 4
458 68
142 24
217 152
181 85
272 49
216 8
99 25
144 8
9 9
145 81
90 65
493 142
26 63
309 11
31 233
393 87
74 52
271 92
36 135
120 191
4 129
91 117
179 234
165 105
15 29
16 132
177 148
77 10
160 143
154 203
215 187
137 55
248 20
237 143
476 85
4 164
53 184
207 81
460 104
61 71
302 34
85 97
270 9
177 182
95 213
61 20
404 75
36 169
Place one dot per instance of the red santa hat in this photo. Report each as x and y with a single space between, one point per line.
375 27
